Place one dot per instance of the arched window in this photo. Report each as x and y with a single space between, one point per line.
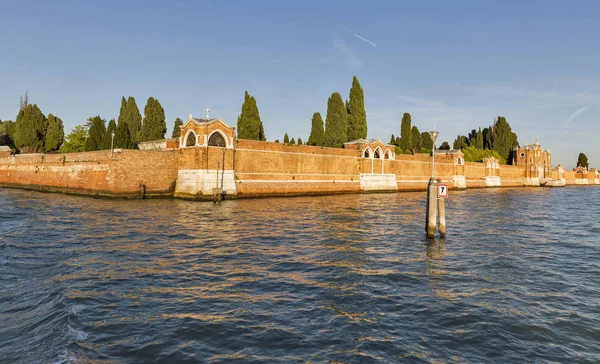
376 155
367 154
216 140
388 154
191 140
459 160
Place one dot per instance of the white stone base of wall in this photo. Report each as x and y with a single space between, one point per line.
194 181
561 182
597 181
583 181
378 182
460 182
492 181
532 182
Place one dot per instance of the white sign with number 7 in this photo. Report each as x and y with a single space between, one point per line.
442 190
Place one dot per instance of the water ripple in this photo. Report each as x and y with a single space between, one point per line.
323 279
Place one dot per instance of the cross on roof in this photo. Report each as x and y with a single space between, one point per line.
207 113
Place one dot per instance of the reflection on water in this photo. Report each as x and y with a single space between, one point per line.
335 278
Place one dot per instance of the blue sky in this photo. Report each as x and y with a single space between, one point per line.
455 64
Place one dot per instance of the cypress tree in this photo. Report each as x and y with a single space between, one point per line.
286 139
299 141
426 141
487 138
107 140
479 139
30 129
416 140
176 131
317 132
292 141
460 142
582 161
96 133
249 125
503 138
55 134
122 137
406 133
357 116
336 122
133 119
154 126
123 111
393 140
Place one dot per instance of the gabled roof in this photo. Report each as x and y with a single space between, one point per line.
366 141
203 122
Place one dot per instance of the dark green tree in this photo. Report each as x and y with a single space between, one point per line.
292 141
154 126
393 140
444 146
7 130
582 161
55 134
299 141
406 133
133 120
357 116
479 140
107 140
460 142
262 136
416 140
336 122
95 134
487 138
176 131
286 139
317 131
426 141
122 137
503 138
75 140
249 125
276 141
30 129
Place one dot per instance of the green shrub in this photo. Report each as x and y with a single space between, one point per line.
473 154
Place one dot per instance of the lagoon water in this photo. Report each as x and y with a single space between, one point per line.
347 278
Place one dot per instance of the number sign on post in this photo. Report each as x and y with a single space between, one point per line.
442 190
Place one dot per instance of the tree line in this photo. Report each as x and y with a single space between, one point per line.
411 140
34 132
345 120
498 138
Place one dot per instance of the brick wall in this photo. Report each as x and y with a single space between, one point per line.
261 169
93 173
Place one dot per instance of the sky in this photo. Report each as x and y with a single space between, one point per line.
455 65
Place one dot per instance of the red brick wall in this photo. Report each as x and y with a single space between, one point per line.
93 173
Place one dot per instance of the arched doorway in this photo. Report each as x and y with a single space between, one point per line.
216 140
191 140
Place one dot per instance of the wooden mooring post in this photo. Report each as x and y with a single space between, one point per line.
436 193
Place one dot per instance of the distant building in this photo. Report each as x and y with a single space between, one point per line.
536 160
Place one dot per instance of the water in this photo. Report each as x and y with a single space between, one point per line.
345 278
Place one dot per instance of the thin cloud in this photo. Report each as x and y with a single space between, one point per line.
346 52
359 37
574 115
